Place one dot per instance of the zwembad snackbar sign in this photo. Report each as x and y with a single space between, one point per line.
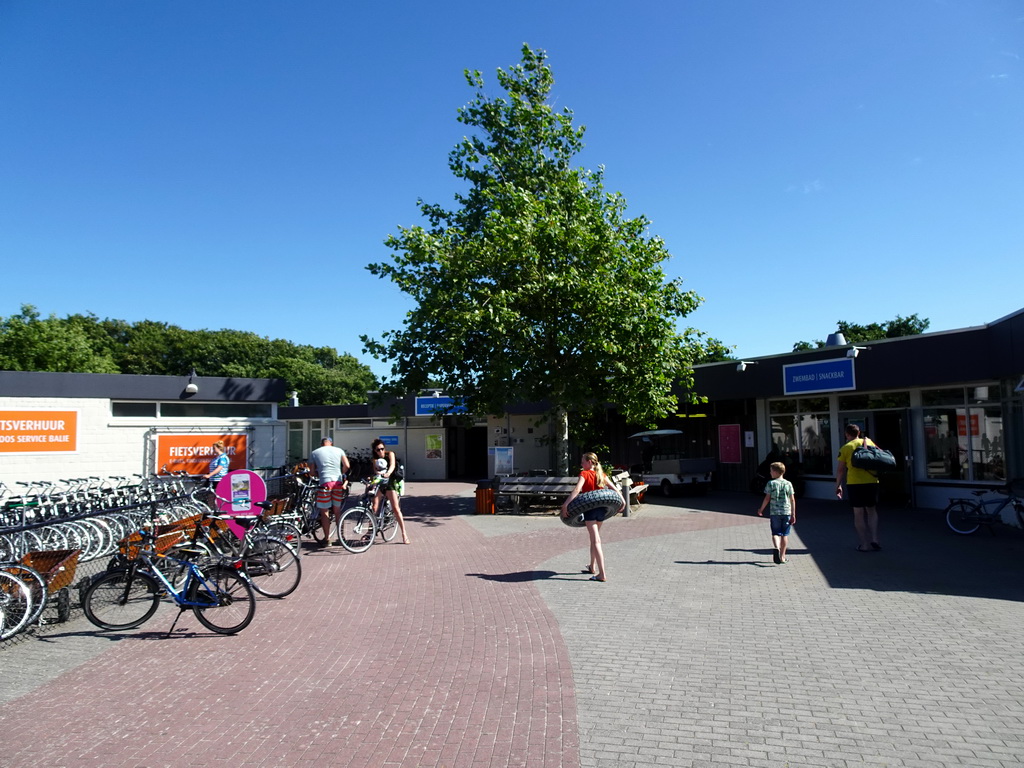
38 431
822 376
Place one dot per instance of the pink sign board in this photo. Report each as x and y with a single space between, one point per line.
237 493
729 444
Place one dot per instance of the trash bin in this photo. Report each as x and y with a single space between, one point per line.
485 497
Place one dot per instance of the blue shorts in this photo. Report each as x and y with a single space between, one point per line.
780 525
595 515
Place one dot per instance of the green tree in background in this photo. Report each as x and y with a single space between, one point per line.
857 334
536 286
86 344
31 343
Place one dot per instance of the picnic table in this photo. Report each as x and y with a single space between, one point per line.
518 494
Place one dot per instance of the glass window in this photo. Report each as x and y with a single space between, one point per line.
964 441
875 402
782 406
804 438
216 410
138 410
316 434
952 396
987 458
296 451
816 443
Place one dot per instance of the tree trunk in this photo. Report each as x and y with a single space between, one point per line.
562 441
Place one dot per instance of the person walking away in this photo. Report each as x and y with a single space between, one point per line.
393 487
330 465
861 490
592 478
780 500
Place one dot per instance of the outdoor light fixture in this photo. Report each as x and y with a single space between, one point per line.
191 388
854 351
743 365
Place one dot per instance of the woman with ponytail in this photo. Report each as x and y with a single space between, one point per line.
593 478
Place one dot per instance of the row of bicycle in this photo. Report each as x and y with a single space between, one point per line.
175 545
92 515
39 559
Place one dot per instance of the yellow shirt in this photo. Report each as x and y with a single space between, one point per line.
855 476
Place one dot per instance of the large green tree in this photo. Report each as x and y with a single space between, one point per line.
535 286
857 334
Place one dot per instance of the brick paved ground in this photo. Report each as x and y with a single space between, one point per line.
482 644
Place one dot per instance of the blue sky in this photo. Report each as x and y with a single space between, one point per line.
236 164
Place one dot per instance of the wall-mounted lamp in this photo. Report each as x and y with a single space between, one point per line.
743 365
191 388
854 351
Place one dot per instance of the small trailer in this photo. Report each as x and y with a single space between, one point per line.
667 466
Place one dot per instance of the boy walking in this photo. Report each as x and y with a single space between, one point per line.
781 502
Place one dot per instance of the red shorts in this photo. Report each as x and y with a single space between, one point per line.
330 493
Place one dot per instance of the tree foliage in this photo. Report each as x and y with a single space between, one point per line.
856 334
536 286
86 344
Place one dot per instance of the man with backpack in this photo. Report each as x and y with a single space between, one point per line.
861 490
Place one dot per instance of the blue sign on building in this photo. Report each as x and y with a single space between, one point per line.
428 406
820 376
389 439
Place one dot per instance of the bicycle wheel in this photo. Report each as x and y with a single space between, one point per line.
387 522
963 517
36 586
287 532
15 604
172 567
273 568
232 602
121 600
356 529
315 529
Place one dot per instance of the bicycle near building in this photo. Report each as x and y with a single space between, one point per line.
359 525
268 562
127 597
966 516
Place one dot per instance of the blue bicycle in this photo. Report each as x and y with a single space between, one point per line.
965 516
127 597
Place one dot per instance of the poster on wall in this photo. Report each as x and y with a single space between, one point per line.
192 453
503 460
729 444
38 431
435 446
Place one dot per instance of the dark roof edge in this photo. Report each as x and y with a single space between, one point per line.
131 387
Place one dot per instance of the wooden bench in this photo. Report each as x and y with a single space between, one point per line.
518 494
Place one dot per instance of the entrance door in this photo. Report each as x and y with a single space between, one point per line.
890 430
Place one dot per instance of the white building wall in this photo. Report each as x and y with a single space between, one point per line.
107 446
531 448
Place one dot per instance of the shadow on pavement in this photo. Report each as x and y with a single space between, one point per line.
919 552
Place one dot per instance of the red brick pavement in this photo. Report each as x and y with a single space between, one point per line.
440 653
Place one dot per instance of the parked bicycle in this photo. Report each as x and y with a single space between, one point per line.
359 525
268 562
125 598
965 516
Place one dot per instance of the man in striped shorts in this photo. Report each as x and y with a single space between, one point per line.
330 464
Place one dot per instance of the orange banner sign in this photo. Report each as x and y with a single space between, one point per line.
38 431
193 453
